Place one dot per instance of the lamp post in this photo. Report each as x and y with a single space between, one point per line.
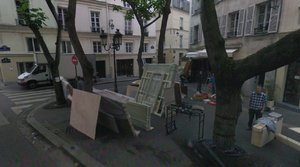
117 41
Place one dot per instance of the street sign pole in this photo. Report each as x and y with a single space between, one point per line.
75 62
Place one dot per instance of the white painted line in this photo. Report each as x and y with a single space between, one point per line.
31 101
295 129
22 106
26 93
32 97
17 111
3 120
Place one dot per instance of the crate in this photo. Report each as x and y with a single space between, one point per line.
260 135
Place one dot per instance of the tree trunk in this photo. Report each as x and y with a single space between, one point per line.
164 22
87 68
139 57
229 106
52 65
59 93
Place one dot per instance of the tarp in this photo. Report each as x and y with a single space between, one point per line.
203 54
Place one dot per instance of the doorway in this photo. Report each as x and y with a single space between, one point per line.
292 86
125 67
100 69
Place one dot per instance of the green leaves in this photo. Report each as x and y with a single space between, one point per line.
32 16
145 9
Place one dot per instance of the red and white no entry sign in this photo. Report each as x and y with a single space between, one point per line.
74 60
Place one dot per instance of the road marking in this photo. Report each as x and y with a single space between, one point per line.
31 101
18 109
3 120
17 94
295 129
31 97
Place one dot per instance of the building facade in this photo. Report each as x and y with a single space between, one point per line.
177 32
248 26
23 50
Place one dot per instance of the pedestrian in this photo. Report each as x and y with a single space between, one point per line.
256 105
199 81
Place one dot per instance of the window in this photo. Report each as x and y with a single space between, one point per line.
32 45
128 27
62 15
181 23
66 47
196 34
145 48
126 5
95 20
263 17
180 41
97 47
191 35
20 19
129 47
24 66
233 24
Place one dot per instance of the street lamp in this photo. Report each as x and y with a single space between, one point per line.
117 41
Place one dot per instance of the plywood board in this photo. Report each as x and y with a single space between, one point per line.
84 112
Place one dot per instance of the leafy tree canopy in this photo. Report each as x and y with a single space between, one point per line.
32 16
146 9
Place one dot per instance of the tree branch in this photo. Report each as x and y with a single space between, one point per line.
59 28
282 52
152 21
212 35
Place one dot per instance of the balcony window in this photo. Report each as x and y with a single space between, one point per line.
97 47
233 24
181 23
129 47
263 17
66 47
95 21
32 45
128 27
62 16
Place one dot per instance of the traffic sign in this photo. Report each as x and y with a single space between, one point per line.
5 60
74 60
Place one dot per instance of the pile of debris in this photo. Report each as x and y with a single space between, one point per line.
205 97
122 113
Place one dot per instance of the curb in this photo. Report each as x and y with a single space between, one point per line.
72 149
125 80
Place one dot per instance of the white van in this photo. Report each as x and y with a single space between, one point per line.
38 74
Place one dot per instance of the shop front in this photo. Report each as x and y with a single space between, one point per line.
292 87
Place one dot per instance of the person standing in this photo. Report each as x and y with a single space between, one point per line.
256 105
199 81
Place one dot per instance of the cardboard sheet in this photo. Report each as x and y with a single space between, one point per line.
84 112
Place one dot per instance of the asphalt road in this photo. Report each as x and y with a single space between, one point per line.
20 145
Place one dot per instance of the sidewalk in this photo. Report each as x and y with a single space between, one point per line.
154 148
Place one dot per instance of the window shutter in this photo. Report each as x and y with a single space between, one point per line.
240 25
249 20
200 33
274 18
223 25
191 35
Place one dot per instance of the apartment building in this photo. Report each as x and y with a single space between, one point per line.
177 32
19 46
248 26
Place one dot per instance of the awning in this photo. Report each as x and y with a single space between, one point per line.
203 54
